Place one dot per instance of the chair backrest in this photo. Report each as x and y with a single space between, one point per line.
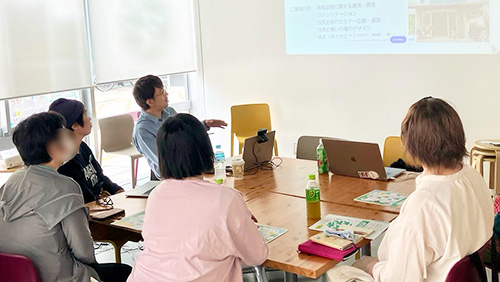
468 269
247 119
135 115
116 132
393 150
306 147
17 268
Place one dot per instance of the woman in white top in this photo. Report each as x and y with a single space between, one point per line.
450 214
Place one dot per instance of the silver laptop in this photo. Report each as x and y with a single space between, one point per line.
358 159
255 154
144 190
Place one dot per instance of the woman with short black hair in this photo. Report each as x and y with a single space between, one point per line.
42 213
450 214
194 230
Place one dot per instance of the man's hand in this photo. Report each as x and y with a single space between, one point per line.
215 123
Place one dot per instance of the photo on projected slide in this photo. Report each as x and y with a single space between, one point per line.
451 21
392 26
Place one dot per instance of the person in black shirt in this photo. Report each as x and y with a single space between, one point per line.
83 168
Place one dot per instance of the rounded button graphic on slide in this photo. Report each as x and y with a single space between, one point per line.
398 39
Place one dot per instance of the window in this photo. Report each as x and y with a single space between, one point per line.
117 98
15 110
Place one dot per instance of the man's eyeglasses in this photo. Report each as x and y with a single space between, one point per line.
163 93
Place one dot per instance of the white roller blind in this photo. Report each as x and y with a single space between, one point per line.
132 38
43 47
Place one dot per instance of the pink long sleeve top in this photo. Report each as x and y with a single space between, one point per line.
195 230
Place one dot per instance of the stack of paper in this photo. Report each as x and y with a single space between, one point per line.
333 221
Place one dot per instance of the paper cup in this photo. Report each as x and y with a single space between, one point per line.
238 169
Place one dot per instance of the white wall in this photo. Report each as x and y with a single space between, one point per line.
359 97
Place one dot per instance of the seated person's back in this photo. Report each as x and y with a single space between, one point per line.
42 213
447 218
194 230
450 215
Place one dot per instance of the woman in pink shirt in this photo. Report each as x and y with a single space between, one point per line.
194 230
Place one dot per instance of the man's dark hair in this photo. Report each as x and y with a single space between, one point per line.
32 135
184 149
432 133
144 89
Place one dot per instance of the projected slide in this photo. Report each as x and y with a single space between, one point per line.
392 26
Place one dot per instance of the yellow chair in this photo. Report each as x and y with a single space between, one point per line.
393 150
246 120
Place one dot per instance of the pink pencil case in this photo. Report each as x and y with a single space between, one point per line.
309 247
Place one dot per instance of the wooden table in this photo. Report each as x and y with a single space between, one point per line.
290 213
104 231
276 198
270 209
292 176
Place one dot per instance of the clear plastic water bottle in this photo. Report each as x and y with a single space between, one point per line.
219 154
220 165
313 198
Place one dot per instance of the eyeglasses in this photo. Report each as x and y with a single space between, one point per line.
103 200
163 93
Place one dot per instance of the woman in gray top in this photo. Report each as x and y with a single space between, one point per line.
42 213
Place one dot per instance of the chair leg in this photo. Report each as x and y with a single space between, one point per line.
260 274
497 172
136 171
240 147
132 163
492 175
471 156
480 164
275 147
232 144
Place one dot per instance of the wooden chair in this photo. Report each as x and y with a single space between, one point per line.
246 120
483 151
